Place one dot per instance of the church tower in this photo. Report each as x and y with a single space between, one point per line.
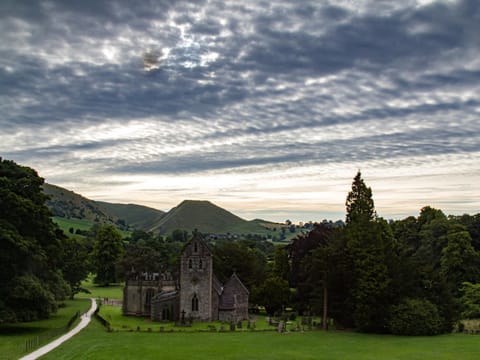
196 271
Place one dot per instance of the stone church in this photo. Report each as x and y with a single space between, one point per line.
197 295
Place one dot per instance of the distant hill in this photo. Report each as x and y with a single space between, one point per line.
64 203
138 216
72 210
206 217
67 204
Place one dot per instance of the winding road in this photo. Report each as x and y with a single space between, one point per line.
85 320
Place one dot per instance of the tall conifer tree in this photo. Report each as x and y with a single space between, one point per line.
369 245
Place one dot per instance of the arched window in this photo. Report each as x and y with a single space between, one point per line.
190 263
194 302
200 264
195 247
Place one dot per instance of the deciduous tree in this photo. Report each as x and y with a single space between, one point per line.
107 252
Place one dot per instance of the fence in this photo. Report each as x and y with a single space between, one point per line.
99 317
38 340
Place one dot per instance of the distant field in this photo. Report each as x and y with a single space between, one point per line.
81 224
65 224
114 291
13 336
95 343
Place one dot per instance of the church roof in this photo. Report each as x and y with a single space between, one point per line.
235 279
197 236
165 295
217 285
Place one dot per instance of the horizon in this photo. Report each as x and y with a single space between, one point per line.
281 218
265 109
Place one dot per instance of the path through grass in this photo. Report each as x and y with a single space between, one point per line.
13 336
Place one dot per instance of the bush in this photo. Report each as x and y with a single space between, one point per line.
415 317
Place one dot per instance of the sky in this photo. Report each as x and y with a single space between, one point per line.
266 108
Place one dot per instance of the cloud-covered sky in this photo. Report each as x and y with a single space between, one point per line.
266 108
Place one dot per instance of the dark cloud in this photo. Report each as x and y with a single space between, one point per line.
240 85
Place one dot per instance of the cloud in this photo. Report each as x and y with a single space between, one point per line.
251 87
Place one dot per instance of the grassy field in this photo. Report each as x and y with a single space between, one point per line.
13 336
114 291
95 343
65 224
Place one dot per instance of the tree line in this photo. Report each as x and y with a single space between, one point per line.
414 276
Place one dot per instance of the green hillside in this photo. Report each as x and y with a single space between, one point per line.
206 218
137 216
64 203
71 210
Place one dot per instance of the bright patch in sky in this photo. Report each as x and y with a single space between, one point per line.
267 109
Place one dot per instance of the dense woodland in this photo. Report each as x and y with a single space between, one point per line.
415 276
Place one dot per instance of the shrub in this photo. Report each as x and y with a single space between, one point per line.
415 317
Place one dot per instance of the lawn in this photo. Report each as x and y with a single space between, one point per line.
95 343
118 322
14 336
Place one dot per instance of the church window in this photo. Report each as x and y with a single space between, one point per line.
200 264
190 263
195 247
194 302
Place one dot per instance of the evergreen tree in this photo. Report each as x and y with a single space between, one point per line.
360 206
369 246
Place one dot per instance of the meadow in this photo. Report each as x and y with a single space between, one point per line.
95 343
14 336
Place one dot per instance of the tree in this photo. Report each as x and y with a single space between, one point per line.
369 244
107 251
360 206
415 317
324 268
459 262
281 264
470 300
76 265
249 263
274 294
30 247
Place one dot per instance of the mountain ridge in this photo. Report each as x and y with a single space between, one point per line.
202 215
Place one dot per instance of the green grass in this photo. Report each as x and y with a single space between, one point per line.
65 224
118 322
95 343
13 336
114 291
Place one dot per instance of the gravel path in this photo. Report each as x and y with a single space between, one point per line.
85 319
